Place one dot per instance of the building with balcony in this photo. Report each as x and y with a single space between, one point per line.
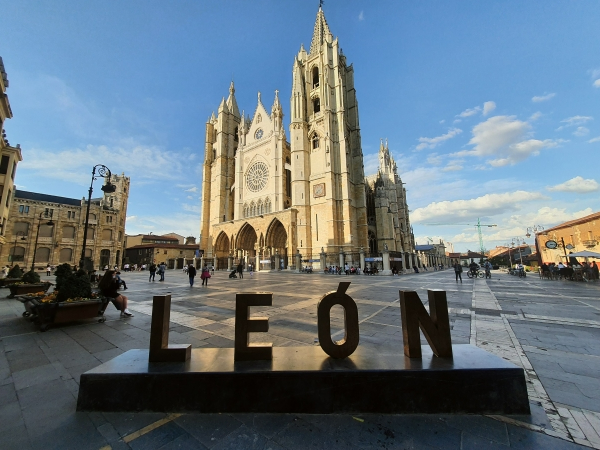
554 244
61 242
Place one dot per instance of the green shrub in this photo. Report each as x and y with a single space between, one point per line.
31 277
62 272
15 272
74 286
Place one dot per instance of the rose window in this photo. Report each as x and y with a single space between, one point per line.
256 177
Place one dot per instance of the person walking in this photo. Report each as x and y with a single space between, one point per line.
48 270
251 269
152 272
240 270
212 269
458 271
595 270
191 271
205 275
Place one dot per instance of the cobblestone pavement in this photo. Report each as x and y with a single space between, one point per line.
550 328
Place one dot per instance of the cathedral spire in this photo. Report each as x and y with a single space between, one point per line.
321 32
223 107
231 102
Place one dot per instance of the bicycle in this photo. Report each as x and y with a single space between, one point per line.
476 274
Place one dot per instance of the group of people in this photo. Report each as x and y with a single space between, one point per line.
154 269
567 271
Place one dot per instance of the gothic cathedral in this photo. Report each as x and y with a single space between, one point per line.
267 199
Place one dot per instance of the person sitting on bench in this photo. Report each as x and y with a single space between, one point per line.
109 286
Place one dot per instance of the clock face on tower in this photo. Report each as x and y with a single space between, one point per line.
259 133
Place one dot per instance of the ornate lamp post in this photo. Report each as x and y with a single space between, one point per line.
518 239
99 171
535 229
50 224
23 238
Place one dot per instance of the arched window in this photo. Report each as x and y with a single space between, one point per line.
66 255
245 210
21 227
259 208
315 77
18 254
252 209
46 230
258 119
68 232
267 205
104 258
42 254
372 243
317 105
214 154
107 235
235 134
315 141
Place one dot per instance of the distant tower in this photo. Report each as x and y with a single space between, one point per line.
327 162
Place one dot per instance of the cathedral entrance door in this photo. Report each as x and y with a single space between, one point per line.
246 242
276 239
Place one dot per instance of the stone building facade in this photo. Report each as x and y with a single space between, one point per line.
174 255
62 241
9 159
276 203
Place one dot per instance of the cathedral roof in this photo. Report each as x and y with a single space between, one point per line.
320 33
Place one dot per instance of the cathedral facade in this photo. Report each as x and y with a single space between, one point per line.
273 201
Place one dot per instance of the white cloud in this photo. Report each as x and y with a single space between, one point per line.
535 116
597 83
578 185
488 107
542 98
452 166
434 142
361 16
434 159
576 120
596 139
371 163
486 205
470 112
546 217
138 161
131 218
443 121
185 224
192 189
504 137
581 131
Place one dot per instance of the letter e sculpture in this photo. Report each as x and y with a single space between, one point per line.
435 327
244 325
160 350
345 347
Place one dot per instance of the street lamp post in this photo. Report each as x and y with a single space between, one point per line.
23 238
99 171
50 224
518 239
535 229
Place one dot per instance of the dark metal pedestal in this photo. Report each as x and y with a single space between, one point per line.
306 380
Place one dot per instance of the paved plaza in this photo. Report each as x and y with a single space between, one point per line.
550 328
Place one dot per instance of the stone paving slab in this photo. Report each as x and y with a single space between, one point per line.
547 327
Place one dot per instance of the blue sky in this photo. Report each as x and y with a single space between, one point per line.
491 109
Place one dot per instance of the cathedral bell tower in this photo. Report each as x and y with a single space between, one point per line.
218 172
327 162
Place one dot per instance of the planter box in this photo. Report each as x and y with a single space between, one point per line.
20 289
5 282
53 313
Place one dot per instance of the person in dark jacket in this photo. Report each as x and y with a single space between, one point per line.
191 271
240 270
109 287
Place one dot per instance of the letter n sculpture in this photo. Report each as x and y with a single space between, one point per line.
160 350
435 327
